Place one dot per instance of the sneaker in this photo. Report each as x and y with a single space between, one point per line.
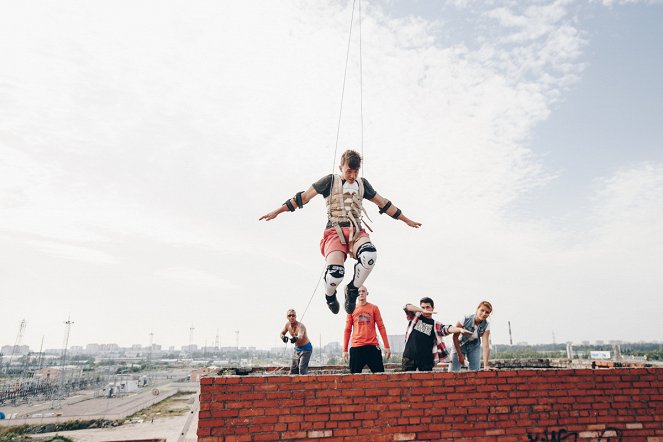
351 294
332 303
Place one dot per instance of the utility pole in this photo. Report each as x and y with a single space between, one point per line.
41 354
191 341
239 359
149 354
510 338
17 343
57 403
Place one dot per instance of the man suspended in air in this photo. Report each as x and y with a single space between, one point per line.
344 234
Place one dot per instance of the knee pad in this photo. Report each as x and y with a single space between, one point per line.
367 254
333 277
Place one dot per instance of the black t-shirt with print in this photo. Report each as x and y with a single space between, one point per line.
419 345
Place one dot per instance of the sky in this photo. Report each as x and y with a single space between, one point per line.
141 141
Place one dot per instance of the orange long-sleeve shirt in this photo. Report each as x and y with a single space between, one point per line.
361 324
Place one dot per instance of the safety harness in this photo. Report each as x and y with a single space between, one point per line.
346 208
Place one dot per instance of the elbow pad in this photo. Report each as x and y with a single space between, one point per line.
298 200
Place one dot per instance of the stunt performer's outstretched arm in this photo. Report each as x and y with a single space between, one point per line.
291 204
387 207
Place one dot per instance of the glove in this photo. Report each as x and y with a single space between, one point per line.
284 338
293 339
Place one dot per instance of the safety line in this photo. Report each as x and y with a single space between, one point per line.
345 73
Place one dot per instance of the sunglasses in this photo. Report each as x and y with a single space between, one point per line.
292 316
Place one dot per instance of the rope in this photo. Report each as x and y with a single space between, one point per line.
345 74
313 294
361 90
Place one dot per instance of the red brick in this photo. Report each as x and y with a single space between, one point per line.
254 379
341 417
293 435
317 434
266 436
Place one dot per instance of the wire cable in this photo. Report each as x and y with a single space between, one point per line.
345 74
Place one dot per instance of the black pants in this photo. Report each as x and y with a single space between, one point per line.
366 355
416 364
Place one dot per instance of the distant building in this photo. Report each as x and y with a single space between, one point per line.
15 350
109 347
55 373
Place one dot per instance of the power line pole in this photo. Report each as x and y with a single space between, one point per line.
191 340
149 354
57 403
510 338
41 354
17 343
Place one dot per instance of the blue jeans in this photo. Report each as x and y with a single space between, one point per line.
473 357
299 364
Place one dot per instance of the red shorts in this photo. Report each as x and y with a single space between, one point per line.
330 241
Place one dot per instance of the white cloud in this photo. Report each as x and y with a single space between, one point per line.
610 3
195 277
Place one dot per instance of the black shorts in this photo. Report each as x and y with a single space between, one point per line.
366 355
415 364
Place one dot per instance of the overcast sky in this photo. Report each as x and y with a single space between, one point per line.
140 141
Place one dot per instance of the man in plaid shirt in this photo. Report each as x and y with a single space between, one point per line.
424 343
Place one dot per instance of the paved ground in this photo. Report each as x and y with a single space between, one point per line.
86 406
177 428
166 428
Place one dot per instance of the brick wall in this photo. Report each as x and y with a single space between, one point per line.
514 405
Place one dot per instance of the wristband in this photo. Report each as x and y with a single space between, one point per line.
289 204
396 214
386 206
